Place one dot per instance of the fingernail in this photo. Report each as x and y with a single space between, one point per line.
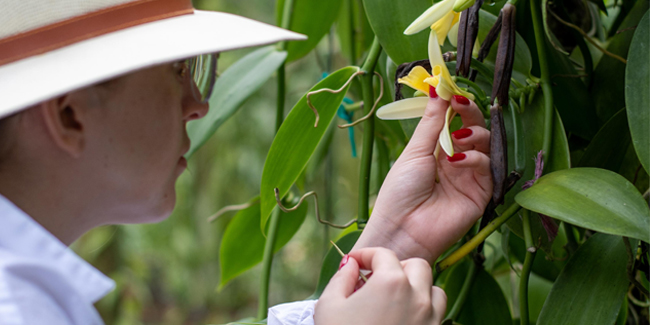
456 157
462 133
461 100
344 261
432 92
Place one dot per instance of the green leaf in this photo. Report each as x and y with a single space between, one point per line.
485 303
389 19
311 18
591 198
609 83
589 290
232 88
352 22
242 246
637 94
297 139
532 121
607 149
333 259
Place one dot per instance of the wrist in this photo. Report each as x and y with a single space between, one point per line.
395 238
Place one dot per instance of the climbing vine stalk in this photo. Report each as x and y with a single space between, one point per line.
267 260
368 131
525 271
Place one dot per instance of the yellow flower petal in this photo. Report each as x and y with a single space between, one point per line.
415 79
445 86
445 137
430 16
443 25
403 109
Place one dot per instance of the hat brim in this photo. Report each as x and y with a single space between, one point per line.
32 80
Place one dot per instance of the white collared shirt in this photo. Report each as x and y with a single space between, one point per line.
41 280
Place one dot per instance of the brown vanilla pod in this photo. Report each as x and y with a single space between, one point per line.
498 153
505 56
500 88
489 40
467 34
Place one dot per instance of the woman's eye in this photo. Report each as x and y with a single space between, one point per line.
181 68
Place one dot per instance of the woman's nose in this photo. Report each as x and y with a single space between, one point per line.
193 109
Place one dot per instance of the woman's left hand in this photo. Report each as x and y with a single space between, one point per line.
414 215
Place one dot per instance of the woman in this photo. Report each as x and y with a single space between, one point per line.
94 100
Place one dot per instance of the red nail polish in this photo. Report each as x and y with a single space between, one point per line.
461 100
344 261
462 133
432 92
456 157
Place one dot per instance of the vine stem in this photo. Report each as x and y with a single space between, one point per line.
478 239
464 292
267 261
525 271
545 81
368 132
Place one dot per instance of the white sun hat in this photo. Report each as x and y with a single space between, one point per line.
48 48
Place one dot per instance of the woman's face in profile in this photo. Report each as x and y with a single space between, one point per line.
137 139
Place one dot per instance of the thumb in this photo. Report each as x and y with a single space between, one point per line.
426 134
343 282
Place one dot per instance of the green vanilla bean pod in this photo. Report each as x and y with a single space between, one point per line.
500 88
467 33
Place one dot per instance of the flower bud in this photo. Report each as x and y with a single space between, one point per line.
461 5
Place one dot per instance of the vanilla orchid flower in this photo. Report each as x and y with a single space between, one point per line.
443 18
420 79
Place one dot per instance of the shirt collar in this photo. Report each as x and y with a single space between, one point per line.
21 235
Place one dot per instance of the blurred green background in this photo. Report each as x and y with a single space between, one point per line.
168 273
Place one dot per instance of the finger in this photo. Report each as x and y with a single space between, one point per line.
343 282
418 272
439 302
425 137
377 259
476 160
472 138
469 112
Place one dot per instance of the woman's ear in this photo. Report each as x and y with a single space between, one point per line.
64 121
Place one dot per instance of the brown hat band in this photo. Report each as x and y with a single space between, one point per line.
90 25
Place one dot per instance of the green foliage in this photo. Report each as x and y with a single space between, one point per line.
243 243
485 303
297 140
609 85
233 87
353 30
589 290
591 198
389 19
312 18
637 96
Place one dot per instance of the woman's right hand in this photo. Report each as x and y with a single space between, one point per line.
397 293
